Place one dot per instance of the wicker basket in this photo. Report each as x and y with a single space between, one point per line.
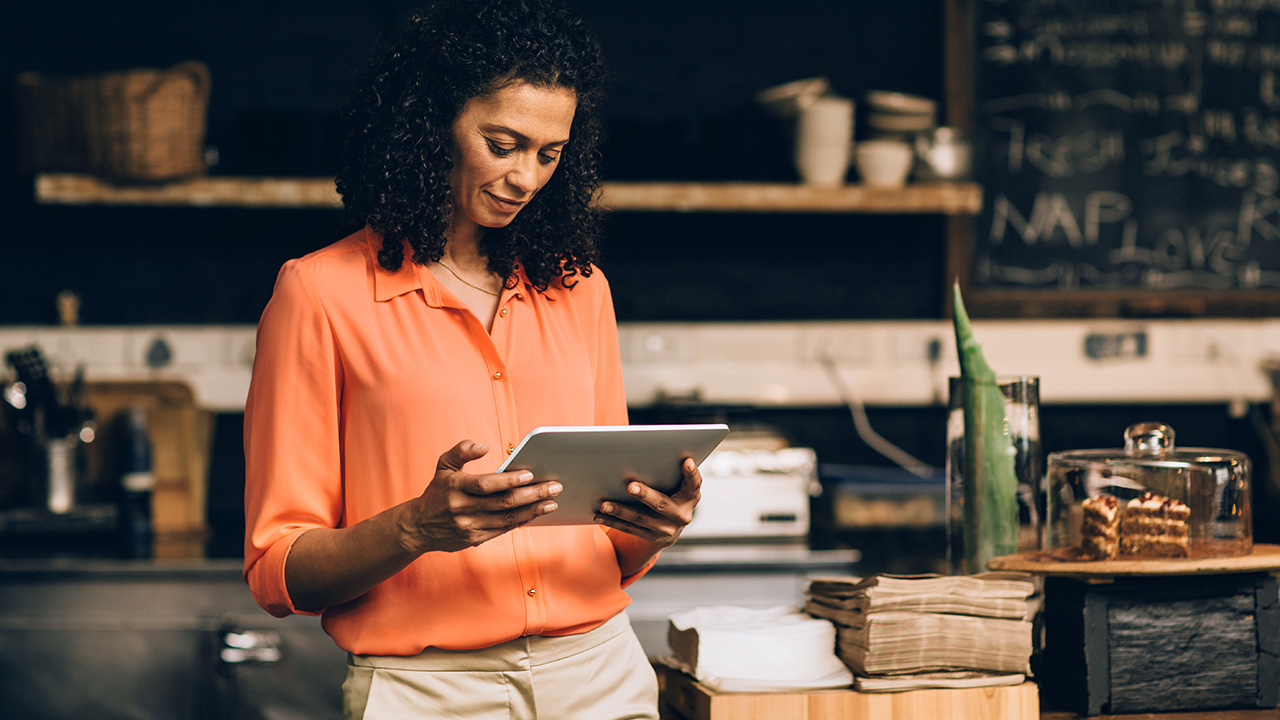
142 125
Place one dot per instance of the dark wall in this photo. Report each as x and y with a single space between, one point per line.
680 108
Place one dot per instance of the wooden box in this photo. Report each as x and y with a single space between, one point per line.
684 698
1149 644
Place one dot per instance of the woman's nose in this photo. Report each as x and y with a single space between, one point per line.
524 174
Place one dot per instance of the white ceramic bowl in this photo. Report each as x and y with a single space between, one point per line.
896 102
788 99
884 163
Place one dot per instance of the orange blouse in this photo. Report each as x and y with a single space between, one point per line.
362 379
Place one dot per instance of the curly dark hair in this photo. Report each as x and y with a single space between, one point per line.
399 131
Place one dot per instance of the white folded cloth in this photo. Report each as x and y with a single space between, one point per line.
738 649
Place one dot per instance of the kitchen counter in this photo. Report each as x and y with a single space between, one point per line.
91 569
64 612
681 559
776 364
701 558
686 576
155 639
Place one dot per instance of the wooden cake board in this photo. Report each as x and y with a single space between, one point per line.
1263 558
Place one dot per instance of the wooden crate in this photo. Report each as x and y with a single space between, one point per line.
684 698
1150 644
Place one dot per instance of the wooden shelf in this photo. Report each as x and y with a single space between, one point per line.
259 192
285 192
930 198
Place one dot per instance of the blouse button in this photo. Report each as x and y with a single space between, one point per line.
503 312
533 591
511 449
497 375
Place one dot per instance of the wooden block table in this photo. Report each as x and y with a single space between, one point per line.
684 698
1131 636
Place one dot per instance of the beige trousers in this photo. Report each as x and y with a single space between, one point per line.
602 674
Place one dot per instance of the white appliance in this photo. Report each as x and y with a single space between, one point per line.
755 493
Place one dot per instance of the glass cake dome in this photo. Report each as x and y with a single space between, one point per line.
1168 502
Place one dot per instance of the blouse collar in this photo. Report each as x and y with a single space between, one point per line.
388 284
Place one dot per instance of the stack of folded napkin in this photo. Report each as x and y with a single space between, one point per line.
738 649
904 632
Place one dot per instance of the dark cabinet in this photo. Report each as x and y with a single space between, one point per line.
146 640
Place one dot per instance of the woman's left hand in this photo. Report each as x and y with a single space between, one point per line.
657 518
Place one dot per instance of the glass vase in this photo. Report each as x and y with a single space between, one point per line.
974 520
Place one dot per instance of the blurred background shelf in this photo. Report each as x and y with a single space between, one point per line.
240 191
931 198
308 192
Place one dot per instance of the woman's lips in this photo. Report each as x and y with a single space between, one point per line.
505 204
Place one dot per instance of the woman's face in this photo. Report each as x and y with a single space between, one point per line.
505 147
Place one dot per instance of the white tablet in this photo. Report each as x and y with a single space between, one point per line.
595 462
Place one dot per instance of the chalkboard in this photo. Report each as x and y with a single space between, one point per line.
1129 151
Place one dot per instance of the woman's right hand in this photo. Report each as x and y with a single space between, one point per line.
460 510
328 566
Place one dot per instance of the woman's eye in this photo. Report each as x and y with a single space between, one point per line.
546 159
499 150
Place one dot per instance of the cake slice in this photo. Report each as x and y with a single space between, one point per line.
1154 526
1100 527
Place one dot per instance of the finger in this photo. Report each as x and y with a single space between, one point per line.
691 486
671 507
464 452
480 518
639 520
501 521
609 516
689 490
514 498
497 483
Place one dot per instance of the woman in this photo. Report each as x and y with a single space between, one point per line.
396 368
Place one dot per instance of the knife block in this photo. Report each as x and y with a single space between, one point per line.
1158 643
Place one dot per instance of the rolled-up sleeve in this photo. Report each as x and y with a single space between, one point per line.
293 463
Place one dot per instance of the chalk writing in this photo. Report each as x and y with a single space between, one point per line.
1129 144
